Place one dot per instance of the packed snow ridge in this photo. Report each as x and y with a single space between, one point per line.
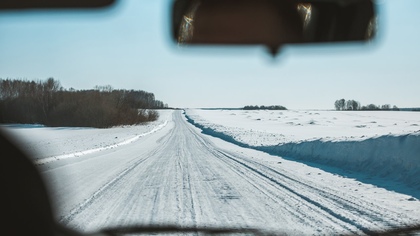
381 143
76 154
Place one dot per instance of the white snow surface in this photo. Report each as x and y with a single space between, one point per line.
381 143
47 144
270 127
177 175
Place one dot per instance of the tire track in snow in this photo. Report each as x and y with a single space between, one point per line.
288 195
82 206
308 199
88 201
359 208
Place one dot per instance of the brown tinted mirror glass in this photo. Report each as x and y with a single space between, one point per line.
272 22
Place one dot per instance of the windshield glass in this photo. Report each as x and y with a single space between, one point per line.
129 128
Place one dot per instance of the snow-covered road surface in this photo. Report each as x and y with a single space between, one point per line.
179 176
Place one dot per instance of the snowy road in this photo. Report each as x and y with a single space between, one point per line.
180 176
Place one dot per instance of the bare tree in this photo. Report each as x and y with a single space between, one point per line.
340 104
386 107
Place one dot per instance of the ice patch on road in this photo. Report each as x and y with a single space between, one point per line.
81 153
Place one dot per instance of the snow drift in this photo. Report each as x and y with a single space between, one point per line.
397 157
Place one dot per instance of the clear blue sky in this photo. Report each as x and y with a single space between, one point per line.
130 47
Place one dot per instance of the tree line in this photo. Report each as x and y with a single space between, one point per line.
352 105
273 107
47 102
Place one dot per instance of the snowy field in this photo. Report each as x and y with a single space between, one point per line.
51 143
265 127
382 143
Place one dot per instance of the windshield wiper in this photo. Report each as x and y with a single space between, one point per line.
170 229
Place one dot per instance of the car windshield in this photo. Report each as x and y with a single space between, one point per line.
130 128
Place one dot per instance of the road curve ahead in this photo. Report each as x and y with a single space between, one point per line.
180 176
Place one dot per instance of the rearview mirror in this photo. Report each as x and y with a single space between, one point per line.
272 23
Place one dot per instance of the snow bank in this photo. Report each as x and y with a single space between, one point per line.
383 150
396 157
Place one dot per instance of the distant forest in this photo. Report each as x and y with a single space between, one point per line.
47 102
274 107
352 105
